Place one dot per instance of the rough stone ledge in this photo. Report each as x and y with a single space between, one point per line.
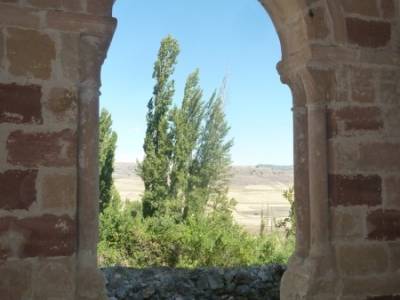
204 283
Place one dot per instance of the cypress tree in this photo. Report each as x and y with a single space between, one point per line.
154 170
107 146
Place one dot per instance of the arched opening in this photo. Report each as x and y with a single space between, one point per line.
246 46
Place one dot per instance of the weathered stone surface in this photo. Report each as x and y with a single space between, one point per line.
62 102
392 192
58 191
43 236
54 4
11 15
41 53
383 156
355 190
388 9
394 254
383 225
348 224
42 149
393 297
15 283
362 85
361 7
100 7
373 34
316 24
20 104
17 189
54 279
69 56
361 259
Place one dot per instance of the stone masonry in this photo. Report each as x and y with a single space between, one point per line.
341 60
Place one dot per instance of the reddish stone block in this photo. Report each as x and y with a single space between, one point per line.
354 118
373 34
17 189
388 8
20 104
383 225
355 190
44 236
42 149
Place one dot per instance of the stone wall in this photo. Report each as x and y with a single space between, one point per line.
252 283
50 55
341 61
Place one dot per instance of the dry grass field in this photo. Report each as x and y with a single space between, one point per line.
255 189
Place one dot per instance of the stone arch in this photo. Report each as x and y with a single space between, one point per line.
340 59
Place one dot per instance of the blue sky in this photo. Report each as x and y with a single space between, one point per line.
221 37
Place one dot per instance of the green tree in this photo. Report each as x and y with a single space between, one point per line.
186 129
155 168
107 146
210 170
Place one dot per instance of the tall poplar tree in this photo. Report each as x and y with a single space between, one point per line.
154 170
211 167
186 126
107 146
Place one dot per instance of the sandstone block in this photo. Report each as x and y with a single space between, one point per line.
11 15
100 7
361 7
54 279
373 34
69 56
394 254
348 224
53 4
392 192
380 155
58 191
51 149
20 104
36 62
355 190
349 119
17 189
316 24
388 11
362 259
62 103
16 283
44 236
362 85
383 225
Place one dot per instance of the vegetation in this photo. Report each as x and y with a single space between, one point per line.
108 144
185 216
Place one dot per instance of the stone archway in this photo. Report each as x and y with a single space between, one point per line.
340 59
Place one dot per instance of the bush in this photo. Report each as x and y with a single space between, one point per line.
210 240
